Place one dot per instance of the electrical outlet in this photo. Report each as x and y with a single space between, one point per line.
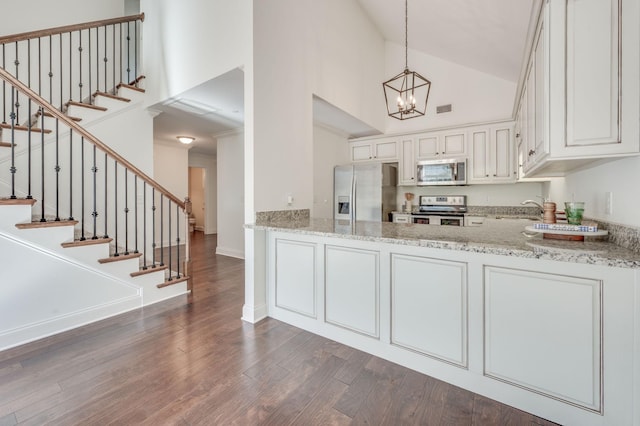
608 202
289 199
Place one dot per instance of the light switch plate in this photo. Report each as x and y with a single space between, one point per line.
608 202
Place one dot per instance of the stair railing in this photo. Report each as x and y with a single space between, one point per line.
76 177
72 63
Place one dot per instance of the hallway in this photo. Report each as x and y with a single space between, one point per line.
177 363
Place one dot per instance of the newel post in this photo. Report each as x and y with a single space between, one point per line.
188 208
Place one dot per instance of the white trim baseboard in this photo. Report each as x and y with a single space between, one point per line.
224 251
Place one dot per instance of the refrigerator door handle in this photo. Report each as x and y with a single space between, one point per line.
353 197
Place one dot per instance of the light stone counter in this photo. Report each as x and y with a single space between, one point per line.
497 236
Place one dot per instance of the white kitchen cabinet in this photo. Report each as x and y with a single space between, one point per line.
407 163
586 57
492 155
533 340
431 146
352 288
402 217
377 150
429 307
295 286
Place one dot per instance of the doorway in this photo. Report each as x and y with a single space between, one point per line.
197 188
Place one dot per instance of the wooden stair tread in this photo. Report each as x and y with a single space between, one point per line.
5 144
149 270
110 96
173 281
17 201
119 257
129 86
48 114
24 128
83 105
48 224
87 242
137 80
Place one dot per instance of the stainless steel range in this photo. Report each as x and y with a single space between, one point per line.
441 210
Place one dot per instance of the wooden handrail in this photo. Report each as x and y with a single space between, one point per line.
69 28
4 75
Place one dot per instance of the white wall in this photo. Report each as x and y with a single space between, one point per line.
231 195
480 195
620 177
474 95
43 14
329 149
171 165
305 47
209 164
189 42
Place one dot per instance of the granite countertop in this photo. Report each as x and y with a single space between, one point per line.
496 236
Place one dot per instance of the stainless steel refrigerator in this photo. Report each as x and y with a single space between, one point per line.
364 191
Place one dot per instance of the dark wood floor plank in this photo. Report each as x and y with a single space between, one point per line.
192 361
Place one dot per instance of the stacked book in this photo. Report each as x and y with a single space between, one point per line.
566 227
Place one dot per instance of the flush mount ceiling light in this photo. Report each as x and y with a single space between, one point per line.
407 93
186 139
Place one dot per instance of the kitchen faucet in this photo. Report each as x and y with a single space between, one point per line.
525 202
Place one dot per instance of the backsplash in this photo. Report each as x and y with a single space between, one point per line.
503 210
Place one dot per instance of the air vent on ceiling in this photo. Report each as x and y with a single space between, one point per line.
443 108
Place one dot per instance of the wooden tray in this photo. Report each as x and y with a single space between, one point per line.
565 235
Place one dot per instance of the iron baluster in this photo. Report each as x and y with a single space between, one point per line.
4 89
70 66
97 59
169 222
153 227
120 50
89 62
135 50
178 241
106 197
161 229
144 225
12 117
17 96
39 66
61 72
50 70
113 54
106 60
115 204
129 52
82 238
57 169
71 174
135 211
80 68
126 212
94 170
42 201
29 133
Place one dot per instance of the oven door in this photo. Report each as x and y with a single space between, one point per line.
452 220
424 220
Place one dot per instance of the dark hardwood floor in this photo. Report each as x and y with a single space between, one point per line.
197 363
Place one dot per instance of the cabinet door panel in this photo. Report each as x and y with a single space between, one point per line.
454 144
296 277
428 147
502 153
352 287
386 150
407 164
480 155
361 152
429 307
592 72
543 332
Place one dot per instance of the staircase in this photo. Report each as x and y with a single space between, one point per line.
84 232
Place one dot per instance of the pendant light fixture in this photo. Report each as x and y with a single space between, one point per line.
407 93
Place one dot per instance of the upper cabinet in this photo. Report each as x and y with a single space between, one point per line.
492 155
581 100
377 150
432 146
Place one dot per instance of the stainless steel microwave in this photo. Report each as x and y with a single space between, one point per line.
442 172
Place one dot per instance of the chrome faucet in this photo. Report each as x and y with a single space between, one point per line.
525 202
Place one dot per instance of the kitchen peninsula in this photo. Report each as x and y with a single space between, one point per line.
550 327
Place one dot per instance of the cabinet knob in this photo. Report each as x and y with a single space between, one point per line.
486 175
495 175
517 135
531 152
